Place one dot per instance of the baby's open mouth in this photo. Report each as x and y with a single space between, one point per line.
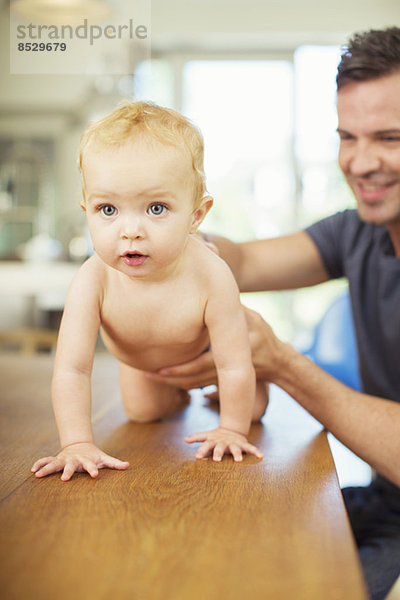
134 259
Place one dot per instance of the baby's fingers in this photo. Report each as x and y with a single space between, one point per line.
205 449
196 437
236 452
90 467
69 470
53 466
219 451
114 463
250 449
41 463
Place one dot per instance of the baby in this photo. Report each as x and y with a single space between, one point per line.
157 294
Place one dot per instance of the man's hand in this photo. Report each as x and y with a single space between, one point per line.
267 355
77 458
196 373
222 441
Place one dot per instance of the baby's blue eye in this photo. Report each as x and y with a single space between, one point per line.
108 210
157 209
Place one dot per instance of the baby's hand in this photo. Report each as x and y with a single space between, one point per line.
77 457
222 441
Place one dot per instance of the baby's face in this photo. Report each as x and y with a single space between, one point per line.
139 206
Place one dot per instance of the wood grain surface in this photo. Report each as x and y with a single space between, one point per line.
171 527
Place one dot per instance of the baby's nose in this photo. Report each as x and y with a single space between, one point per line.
132 229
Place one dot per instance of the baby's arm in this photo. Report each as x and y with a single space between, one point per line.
71 388
225 320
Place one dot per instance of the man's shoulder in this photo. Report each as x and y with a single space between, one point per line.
345 227
339 238
347 217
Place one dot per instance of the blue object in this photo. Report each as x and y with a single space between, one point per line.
334 346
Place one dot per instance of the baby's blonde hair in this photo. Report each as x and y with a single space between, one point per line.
135 118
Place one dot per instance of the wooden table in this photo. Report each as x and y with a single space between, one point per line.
171 527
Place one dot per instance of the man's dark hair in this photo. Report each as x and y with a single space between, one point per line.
369 55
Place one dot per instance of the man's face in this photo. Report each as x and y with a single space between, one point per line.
369 155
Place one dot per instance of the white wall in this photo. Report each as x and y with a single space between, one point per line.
207 24
58 106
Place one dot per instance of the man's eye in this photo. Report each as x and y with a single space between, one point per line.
157 209
108 210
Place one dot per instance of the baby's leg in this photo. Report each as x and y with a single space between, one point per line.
261 401
145 400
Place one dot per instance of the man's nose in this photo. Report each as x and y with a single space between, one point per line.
365 159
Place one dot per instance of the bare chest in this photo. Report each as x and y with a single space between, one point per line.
154 327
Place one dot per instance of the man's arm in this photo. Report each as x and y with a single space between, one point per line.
366 424
280 263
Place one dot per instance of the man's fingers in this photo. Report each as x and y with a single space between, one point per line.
196 373
193 367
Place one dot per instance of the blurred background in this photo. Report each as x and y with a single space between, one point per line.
257 77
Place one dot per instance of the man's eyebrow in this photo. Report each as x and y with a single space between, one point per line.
378 132
387 131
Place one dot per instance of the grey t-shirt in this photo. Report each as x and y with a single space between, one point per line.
364 254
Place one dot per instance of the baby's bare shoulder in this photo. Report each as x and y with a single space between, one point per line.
91 274
93 267
210 266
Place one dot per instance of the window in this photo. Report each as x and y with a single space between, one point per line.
270 153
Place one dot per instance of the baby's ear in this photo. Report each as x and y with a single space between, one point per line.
200 212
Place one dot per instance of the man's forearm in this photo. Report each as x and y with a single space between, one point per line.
281 263
368 425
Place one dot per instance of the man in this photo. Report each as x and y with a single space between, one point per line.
364 246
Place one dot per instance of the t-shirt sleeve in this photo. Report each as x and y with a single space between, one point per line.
328 234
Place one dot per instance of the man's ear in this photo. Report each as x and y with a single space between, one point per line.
200 212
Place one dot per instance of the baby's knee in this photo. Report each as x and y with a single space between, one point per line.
155 409
142 414
261 401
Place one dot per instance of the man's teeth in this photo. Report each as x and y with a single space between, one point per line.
372 188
